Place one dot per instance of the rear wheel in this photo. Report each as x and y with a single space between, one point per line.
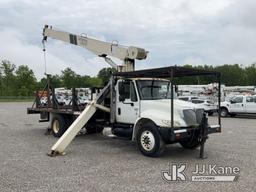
223 112
58 125
149 141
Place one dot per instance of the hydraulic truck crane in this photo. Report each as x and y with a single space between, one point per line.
139 105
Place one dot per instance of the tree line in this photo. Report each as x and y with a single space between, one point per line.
21 80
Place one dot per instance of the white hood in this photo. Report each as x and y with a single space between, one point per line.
160 111
224 103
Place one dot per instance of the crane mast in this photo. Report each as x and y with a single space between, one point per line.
100 48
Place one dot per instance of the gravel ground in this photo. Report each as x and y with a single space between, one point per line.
101 163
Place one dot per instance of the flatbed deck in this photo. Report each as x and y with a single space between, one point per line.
38 110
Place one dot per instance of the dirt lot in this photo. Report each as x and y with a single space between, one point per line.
101 163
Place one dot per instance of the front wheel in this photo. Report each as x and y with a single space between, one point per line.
223 112
149 141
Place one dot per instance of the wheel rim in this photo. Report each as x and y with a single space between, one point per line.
223 113
56 126
147 140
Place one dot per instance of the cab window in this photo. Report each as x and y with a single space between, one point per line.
237 100
249 99
127 91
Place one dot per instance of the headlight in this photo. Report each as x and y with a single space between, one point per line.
168 123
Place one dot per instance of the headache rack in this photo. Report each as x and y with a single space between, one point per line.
72 107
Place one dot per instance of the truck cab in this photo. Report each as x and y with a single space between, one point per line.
148 98
142 113
239 104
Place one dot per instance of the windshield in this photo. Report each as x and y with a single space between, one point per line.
154 89
236 99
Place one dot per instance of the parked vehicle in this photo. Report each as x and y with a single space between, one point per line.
239 104
187 98
140 109
83 100
60 99
138 105
43 101
207 105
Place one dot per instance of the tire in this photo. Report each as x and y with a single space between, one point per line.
149 141
58 125
223 112
232 115
192 143
90 129
210 113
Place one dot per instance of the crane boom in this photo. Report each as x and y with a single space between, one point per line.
100 48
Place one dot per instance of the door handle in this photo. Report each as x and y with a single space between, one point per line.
132 104
242 105
119 111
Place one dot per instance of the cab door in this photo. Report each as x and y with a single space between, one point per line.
250 105
127 105
237 105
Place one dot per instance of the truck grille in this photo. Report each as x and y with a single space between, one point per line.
199 115
193 117
190 117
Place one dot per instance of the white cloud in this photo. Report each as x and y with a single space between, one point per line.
174 31
57 58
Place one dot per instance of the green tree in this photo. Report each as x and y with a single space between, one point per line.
68 78
1 82
94 82
8 78
250 72
105 74
26 81
232 74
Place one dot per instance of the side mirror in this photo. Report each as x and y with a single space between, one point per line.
232 102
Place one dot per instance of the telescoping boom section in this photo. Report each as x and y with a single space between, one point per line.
100 48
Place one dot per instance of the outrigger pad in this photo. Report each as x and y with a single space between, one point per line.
55 153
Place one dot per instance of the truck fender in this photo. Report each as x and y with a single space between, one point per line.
138 124
224 107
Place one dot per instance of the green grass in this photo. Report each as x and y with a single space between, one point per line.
16 99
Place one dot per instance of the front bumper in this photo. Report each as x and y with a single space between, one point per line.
172 135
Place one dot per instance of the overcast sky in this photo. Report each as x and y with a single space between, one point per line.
178 32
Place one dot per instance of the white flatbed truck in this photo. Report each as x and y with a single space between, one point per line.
141 106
